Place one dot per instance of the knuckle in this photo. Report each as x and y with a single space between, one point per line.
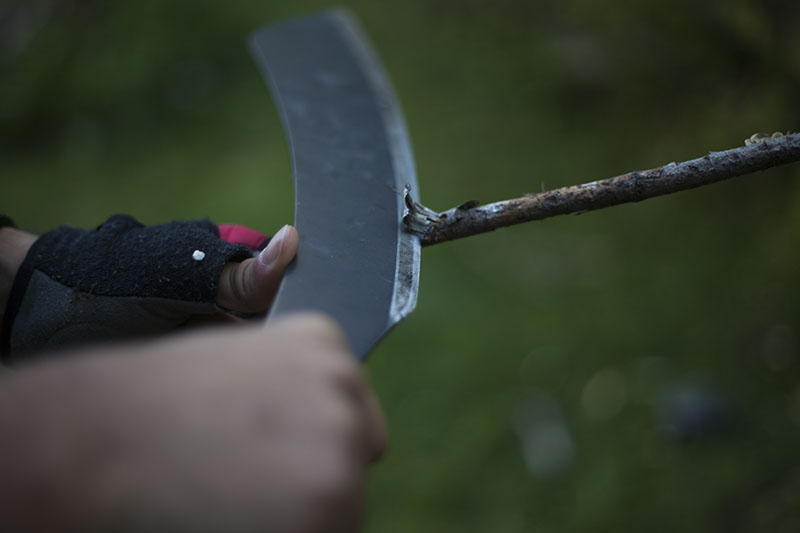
233 290
323 328
238 282
348 382
343 420
318 328
349 377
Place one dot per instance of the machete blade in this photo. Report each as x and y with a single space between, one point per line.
352 162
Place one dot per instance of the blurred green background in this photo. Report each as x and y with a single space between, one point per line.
634 369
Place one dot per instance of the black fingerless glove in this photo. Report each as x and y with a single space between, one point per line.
120 280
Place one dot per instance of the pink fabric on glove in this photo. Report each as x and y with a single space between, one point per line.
236 234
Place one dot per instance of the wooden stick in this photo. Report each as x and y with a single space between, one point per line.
469 219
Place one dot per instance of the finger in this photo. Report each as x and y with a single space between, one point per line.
315 327
250 286
376 425
373 437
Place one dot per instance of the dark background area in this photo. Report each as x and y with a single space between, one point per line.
634 369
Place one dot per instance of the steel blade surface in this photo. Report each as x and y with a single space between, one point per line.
352 160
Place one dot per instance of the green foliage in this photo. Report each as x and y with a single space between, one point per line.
154 108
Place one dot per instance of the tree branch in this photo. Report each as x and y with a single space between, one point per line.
470 219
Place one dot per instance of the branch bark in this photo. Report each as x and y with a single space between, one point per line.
468 219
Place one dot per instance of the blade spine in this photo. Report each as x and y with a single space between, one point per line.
268 76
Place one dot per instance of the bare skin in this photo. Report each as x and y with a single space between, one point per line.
14 245
243 428
250 286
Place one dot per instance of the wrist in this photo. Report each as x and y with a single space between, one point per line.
14 246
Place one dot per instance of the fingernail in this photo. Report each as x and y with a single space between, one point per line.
272 252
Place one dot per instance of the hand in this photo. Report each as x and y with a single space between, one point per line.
233 429
248 286
124 279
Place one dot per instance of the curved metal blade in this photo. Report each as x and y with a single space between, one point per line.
352 160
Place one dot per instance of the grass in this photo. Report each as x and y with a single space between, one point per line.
154 109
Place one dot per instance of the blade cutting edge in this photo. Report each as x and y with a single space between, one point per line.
352 161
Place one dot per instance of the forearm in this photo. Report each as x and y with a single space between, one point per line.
14 245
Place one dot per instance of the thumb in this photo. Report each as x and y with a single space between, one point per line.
250 286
